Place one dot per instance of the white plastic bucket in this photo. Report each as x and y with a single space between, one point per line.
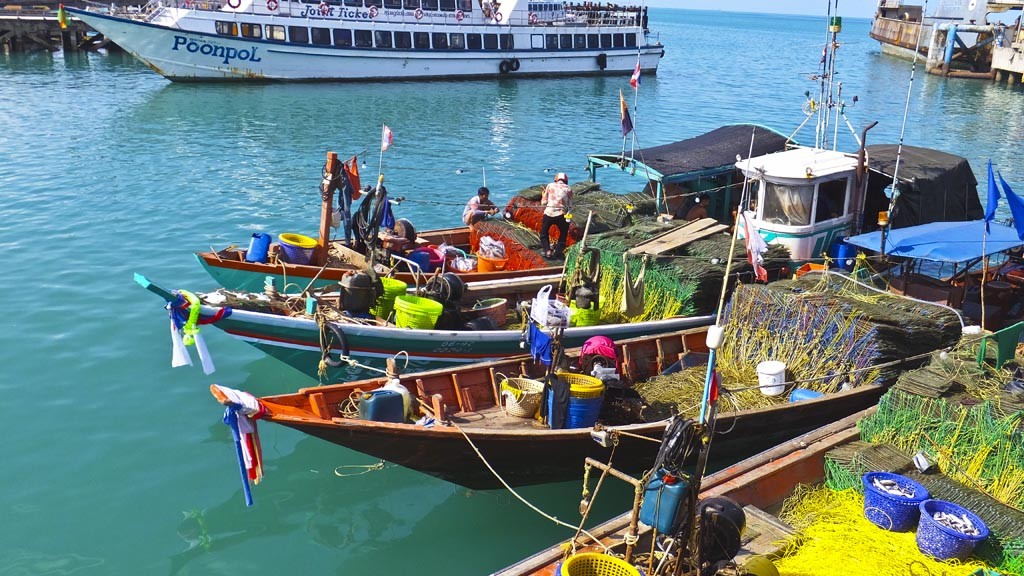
771 377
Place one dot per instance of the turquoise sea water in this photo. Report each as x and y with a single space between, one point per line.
117 464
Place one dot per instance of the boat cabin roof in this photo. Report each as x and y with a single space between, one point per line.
810 164
705 155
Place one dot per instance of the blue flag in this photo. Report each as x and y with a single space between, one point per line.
1016 207
993 197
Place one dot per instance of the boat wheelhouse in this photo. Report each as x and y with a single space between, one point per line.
804 199
381 39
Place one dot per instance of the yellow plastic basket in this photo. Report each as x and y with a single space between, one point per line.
522 396
581 385
597 564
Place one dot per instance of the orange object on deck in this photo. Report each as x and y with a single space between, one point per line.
530 213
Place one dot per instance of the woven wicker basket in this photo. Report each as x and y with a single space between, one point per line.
521 396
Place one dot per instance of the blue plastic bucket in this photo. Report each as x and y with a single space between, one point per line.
422 259
259 245
889 511
799 394
944 543
583 412
843 254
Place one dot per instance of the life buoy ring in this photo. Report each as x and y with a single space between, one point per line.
533 18
513 65
234 3
272 5
504 67
418 13
324 9
373 11
459 15
497 16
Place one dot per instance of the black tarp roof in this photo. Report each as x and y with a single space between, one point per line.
715 149
934 186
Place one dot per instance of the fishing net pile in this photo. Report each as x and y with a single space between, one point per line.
834 537
521 243
610 210
831 334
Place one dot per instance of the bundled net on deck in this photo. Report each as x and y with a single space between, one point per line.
520 243
828 335
835 538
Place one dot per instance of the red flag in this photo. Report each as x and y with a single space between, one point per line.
634 80
385 139
627 122
755 247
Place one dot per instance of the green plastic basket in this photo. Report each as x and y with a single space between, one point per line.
416 312
386 303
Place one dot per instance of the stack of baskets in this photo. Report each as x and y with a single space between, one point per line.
386 302
521 396
586 394
416 312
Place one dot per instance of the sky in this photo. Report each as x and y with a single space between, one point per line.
850 8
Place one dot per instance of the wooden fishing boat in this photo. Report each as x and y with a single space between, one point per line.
470 426
299 340
231 270
759 483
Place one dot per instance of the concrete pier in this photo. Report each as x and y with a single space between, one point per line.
36 28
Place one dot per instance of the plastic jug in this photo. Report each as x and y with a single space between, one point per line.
665 500
259 245
395 385
382 406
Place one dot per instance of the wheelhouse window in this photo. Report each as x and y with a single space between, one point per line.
421 40
226 28
551 41
394 4
364 39
298 34
411 4
440 40
831 200
457 41
506 41
320 36
382 38
631 40
619 40
429 4
342 37
786 204
275 32
251 30
606 40
565 41
579 41
403 40
355 3
465 5
448 5
474 41
593 41
490 41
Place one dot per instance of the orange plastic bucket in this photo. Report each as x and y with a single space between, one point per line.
485 264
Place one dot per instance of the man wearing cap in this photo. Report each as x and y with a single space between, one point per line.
557 201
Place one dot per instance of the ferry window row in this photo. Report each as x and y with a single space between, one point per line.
436 5
369 38
581 41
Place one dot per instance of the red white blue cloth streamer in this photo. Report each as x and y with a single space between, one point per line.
240 414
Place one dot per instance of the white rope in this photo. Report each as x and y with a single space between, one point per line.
520 498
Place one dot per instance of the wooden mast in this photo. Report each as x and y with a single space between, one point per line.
330 182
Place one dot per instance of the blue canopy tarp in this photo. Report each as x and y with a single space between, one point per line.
942 241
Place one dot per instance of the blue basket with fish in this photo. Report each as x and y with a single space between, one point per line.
947 531
891 501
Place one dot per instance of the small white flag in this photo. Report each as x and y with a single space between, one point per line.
385 139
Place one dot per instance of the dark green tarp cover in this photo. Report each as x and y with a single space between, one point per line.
713 150
934 186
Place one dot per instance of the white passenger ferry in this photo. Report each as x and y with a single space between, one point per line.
189 40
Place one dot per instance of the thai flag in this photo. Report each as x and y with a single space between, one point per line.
385 138
634 80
